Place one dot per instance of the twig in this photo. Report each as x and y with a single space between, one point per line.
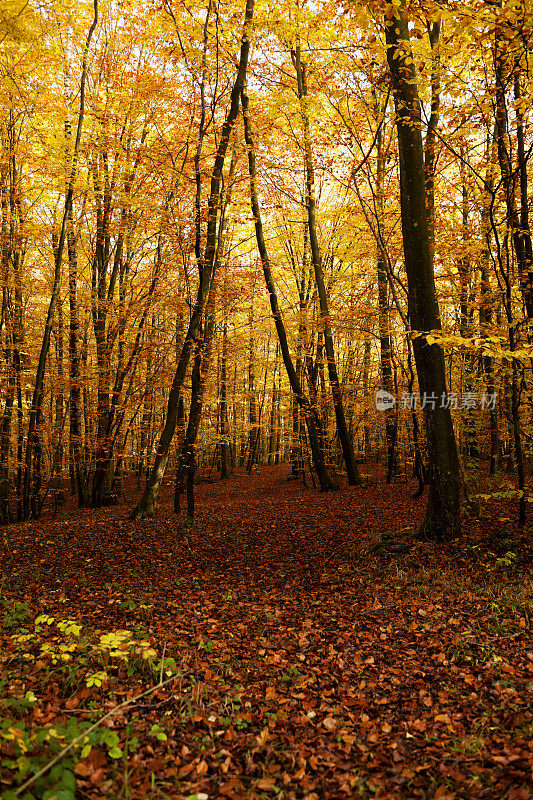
162 662
65 750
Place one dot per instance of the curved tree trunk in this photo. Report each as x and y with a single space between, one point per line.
311 417
146 505
342 428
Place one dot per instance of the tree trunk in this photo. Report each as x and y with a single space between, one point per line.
342 429
442 519
223 410
146 505
76 452
486 309
521 236
187 458
33 442
385 339
310 413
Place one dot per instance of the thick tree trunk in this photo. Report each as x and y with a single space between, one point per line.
442 519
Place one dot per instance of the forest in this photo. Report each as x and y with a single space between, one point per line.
266 399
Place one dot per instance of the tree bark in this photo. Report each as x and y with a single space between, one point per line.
33 442
342 428
310 413
223 409
385 338
442 519
146 505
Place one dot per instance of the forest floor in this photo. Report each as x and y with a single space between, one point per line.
295 645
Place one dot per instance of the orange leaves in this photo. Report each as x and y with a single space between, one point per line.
402 715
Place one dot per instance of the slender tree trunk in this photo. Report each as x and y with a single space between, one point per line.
273 413
223 410
486 309
367 444
521 248
309 413
434 30
146 505
76 451
59 398
464 267
279 424
113 419
385 338
187 460
521 236
442 519
342 429
33 442
252 396
5 443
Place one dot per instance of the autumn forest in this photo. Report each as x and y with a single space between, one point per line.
266 407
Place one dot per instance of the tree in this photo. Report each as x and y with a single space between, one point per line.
32 456
310 201
310 414
146 505
442 519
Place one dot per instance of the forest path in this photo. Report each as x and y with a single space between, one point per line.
313 664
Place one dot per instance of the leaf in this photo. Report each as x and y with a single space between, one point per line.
83 769
266 784
262 738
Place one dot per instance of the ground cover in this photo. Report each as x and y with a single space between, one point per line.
294 645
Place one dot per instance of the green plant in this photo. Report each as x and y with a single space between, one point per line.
507 560
157 731
207 646
35 748
14 614
291 673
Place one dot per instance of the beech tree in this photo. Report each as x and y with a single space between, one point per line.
378 189
443 514
146 505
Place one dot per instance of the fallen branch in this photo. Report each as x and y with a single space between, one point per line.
79 738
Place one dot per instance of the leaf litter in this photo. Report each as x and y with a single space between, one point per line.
314 648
